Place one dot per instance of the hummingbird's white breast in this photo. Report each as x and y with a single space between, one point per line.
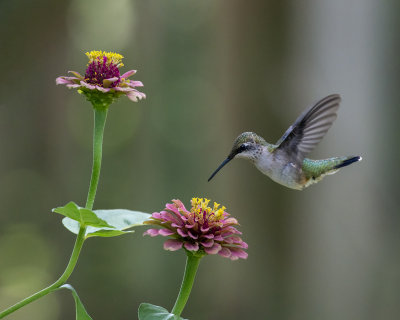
276 166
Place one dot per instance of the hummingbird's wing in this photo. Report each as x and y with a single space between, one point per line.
309 128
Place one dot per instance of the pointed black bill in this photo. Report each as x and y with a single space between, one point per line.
220 167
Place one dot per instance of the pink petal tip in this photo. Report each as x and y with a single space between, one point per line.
172 245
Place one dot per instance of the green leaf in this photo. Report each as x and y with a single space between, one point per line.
120 219
70 210
149 311
84 216
81 313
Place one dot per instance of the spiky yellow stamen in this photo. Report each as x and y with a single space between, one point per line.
112 57
202 211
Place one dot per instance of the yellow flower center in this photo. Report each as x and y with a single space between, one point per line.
112 57
203 212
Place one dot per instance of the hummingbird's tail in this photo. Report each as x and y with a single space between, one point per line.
315 170
347 161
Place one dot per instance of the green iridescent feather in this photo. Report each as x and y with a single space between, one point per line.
317 168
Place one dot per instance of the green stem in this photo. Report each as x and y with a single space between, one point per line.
64 277
100 116
192 263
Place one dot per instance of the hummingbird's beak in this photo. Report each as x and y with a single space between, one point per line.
220 166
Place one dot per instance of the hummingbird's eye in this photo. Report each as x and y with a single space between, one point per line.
243 147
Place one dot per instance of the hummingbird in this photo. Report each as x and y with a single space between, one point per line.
285 161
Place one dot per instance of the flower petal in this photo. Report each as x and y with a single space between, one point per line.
243 245
122 89
172 244
224 252
77 74
132 97
134 84
231 221
192 235
87 85
63 80
179 204
214 249
135 95
165 232
238 253
103 89
73 85
171 207
182 233
228 240
191 246
108 82
128 74
168 216
156 215
207 243
151 232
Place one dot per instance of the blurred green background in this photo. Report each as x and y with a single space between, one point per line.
211 69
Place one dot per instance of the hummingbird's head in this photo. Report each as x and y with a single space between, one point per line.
247 145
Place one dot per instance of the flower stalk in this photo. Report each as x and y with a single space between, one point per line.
192 264
62 280
100 116
202 230
101 85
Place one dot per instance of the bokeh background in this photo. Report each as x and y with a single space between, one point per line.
211 69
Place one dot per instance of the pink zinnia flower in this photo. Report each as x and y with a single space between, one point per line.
102 82
202 230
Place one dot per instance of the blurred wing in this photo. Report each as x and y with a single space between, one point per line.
309 128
